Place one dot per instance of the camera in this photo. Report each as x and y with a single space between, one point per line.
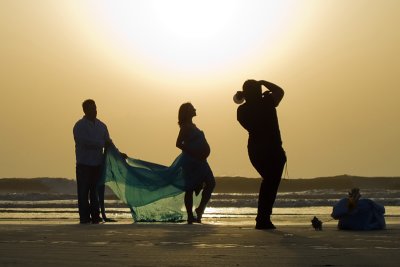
238 98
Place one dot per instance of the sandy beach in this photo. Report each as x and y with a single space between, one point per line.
214 243
38 227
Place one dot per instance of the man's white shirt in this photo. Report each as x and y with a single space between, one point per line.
90 138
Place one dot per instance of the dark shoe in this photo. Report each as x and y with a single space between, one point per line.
84 222
199 214
265 226
109 220
97 221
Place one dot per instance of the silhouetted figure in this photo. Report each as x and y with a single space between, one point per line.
354 213
91 137
197 172
258 116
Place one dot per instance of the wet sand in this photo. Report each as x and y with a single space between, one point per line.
214 243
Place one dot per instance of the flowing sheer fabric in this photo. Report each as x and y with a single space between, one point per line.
153 192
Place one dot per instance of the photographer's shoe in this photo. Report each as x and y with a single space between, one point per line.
265 225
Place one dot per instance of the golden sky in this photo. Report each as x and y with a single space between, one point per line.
337 60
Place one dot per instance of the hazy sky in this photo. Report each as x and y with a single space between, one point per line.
337 60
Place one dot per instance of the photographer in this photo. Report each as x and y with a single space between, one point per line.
258 116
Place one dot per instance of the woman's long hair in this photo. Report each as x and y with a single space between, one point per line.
184 115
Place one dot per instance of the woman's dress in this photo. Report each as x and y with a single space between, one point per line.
154 192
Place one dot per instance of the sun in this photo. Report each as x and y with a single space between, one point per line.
188 35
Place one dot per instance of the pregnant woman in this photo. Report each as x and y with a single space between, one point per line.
197 172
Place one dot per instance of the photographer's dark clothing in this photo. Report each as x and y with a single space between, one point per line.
261 121
265 150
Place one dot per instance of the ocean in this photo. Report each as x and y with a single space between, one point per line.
290 207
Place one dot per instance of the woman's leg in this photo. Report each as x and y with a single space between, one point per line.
189 206
209 185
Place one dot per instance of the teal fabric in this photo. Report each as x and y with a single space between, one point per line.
153 192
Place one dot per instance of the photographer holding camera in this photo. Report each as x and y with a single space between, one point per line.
258 116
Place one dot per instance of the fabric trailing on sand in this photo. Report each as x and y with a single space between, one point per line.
153 192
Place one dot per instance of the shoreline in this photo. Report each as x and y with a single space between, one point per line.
280 216
278 220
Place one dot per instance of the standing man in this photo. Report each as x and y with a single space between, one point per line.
258 116
91 138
